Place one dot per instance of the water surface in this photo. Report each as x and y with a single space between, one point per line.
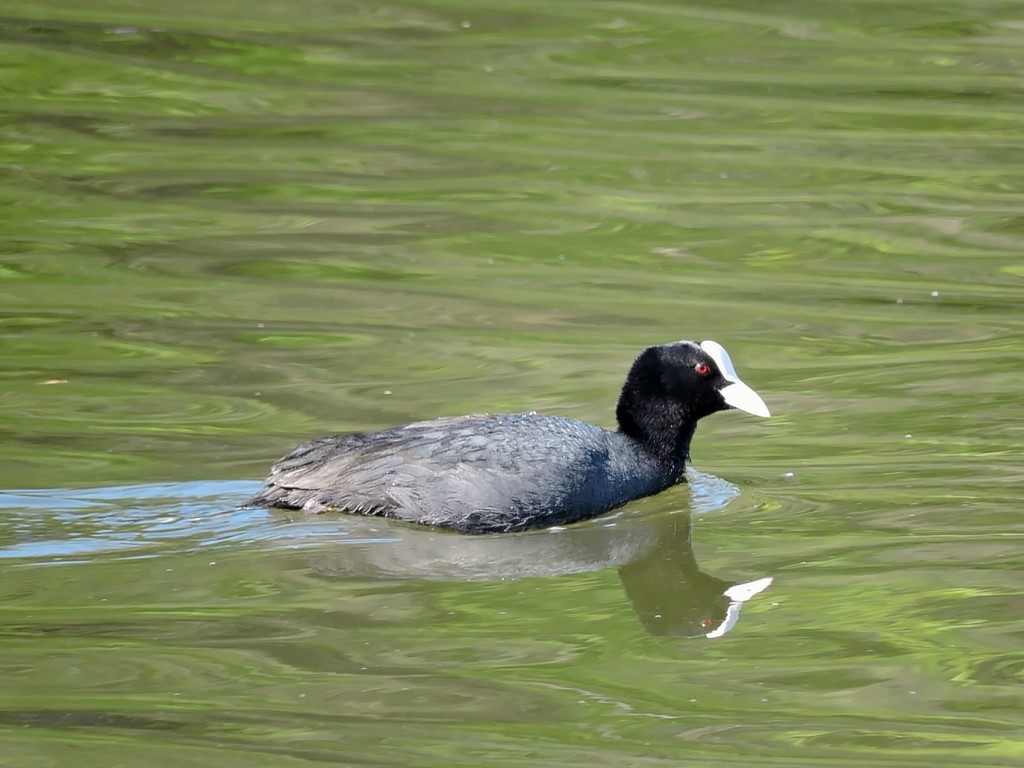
228 227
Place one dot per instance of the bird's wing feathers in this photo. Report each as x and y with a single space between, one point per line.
436 472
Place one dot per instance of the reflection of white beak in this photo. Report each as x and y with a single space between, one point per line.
736 394
738 594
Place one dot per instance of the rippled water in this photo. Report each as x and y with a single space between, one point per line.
228 227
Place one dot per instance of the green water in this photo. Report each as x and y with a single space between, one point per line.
227 227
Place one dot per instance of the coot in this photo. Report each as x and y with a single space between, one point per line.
510 472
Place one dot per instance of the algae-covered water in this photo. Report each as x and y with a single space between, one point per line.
228 227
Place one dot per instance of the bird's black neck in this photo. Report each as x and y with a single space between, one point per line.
661 426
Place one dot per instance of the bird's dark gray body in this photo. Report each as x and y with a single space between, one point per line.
480 474
510 472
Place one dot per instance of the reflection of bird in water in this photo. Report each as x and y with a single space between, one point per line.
672 596
666 588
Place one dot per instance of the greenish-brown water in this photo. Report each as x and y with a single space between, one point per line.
228 227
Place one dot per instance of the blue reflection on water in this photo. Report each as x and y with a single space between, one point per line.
64 526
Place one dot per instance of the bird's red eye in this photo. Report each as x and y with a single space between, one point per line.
702 368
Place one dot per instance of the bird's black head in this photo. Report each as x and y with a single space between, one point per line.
671 386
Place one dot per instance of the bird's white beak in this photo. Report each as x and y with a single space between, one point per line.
736 394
